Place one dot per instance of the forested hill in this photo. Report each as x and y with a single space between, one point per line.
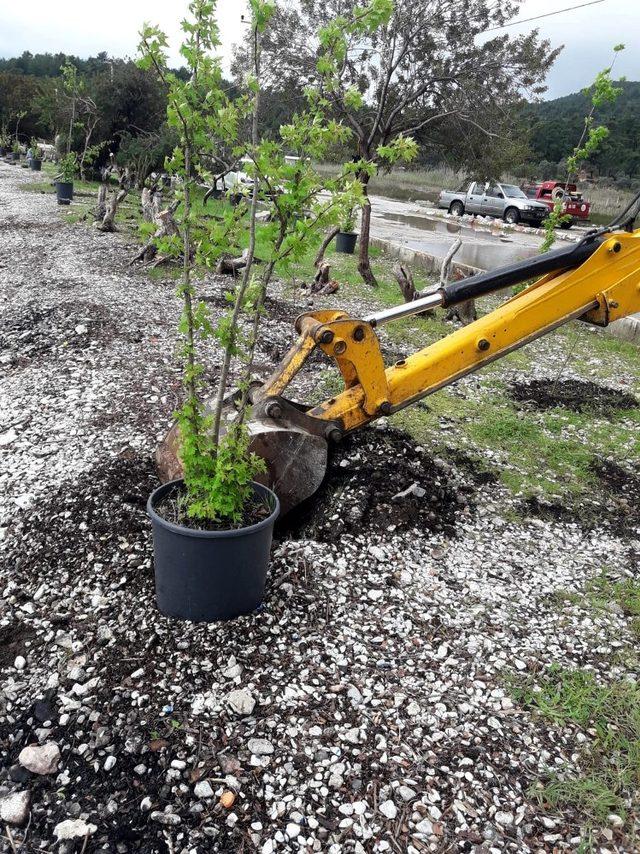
556 126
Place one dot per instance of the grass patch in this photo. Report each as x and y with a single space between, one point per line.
534 459
610 717
626 594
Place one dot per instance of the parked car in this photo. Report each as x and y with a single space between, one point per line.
497 200
549 192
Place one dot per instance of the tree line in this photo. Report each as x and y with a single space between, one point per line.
415 82
555 125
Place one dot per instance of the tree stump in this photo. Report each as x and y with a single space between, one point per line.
165 227
101 204
108 221
404 278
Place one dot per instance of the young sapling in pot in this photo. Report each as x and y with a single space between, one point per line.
63 181
216 504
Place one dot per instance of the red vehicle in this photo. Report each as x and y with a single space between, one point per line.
548 192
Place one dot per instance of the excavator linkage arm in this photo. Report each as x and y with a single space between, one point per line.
597 281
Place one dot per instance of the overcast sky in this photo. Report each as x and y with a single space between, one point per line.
86 27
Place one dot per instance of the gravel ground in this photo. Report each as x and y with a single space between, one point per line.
363 708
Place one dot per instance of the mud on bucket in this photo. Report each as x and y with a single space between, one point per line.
206 576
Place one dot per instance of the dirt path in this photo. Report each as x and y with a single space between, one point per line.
376 674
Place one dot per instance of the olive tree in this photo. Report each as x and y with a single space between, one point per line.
393 71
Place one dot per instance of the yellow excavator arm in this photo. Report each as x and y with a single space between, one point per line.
604 288
596 281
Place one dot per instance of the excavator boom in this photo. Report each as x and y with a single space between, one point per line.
596 281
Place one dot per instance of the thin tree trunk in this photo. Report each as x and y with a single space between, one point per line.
325 243
364 265
191 381
246 278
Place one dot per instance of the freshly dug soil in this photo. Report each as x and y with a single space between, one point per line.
576 395
613 504
360 493
172 508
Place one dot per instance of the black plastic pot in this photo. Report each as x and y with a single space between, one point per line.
207 576
36 165
346 242
64 191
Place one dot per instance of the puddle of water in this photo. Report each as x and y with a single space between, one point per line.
424 223
482 249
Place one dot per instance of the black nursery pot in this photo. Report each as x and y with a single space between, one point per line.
206 576
346 242
36 165
64 191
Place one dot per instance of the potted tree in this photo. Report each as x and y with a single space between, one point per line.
212 528
347 237
16 151
64 179
35 161
5 143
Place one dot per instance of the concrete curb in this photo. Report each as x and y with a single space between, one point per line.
423 260
627 329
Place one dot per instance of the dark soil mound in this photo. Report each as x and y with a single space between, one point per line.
94 515
576 395
614 503
366 473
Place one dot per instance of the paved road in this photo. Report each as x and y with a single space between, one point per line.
486 244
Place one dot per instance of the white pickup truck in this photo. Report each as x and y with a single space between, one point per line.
506 201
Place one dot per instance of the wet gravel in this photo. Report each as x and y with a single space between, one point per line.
362 708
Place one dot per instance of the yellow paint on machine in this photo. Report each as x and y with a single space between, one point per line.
604 288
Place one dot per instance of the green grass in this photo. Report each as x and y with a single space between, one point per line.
626 594
536 456
610 761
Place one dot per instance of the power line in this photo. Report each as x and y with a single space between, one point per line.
546 15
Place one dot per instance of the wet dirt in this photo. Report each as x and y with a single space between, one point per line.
365 475
12 640
575 395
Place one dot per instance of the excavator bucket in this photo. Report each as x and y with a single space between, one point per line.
296 459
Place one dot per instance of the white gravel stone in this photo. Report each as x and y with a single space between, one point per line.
166 818
388 809
73 829
260 746
40 759
14 808
292 830
240 701
202 789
